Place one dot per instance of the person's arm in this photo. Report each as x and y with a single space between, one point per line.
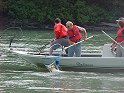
57 31
113 47
57 35
81 29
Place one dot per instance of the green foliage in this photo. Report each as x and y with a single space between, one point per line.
90 14
45 11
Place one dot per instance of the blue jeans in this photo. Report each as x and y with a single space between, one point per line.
76 49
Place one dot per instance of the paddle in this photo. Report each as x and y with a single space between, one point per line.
112 39
43 46
11 40
77 43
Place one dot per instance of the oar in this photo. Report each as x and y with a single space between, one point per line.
112 39
43 46
11 40
77 43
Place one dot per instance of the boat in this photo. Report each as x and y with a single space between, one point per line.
105 61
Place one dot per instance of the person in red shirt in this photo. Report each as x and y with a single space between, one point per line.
119 39
75 36
60 32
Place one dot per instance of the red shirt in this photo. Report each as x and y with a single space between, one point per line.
60 31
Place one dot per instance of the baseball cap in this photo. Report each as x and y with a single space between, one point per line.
120 19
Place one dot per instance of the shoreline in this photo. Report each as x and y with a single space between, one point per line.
88 28
33 25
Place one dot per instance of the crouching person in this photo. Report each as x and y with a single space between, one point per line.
60 32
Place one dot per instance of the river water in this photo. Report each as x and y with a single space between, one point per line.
19 76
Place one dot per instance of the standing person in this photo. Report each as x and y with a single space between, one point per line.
75 36
119 38
60 32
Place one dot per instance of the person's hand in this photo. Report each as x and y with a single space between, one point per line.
70 42
113 48
52 40
85 38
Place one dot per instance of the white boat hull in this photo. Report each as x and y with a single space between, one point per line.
75 63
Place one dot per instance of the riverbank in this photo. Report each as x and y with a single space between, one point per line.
33 25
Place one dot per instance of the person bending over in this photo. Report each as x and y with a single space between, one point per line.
75 36
60 33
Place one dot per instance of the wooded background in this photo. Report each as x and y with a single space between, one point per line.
79 11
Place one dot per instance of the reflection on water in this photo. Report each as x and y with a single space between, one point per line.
20 76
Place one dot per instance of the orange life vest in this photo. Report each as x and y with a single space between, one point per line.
60 31
120 35
74 34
